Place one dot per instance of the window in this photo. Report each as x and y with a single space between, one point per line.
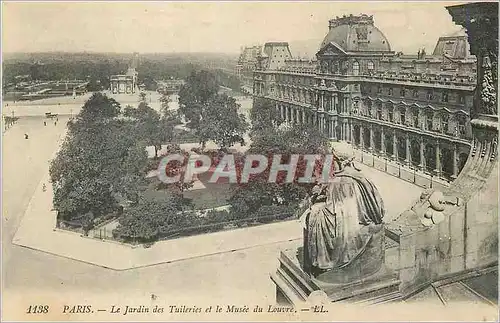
444 96
402 113
390 91
461 98
415 119
461 126
355 68
429 120
390 112
379 112
415 93
430 95
444 122
355 106
379 89
402 92
371 66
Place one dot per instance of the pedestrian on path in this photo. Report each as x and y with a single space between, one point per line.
44 187
45 123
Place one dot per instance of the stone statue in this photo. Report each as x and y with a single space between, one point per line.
343 228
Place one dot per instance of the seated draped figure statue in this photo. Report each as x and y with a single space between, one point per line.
343 228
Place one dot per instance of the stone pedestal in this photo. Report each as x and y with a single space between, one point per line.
294 286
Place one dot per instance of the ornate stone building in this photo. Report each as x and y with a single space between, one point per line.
247 62
410 109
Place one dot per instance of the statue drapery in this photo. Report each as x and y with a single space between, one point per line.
340 227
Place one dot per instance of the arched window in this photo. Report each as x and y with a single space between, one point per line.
390 111
461 122
402 115
444 122
371 66
355 68
429 118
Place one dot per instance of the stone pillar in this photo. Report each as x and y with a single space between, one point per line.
455 162
350 129
408 154
394 145
372 141
438 159
361 137
382 141
422 154
321 102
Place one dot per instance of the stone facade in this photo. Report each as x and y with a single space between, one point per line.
126 83
247 62
414 110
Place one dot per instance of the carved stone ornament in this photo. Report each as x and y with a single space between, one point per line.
488 90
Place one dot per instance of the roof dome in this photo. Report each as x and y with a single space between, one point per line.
356 34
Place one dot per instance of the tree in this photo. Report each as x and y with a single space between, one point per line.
94 161
212 116
151 217
221 122
96 112
195 94
142 97
148 126
286 141
164 103
263 115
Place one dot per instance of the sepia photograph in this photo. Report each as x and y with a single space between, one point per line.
249 161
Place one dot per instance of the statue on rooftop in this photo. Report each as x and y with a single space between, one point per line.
343 228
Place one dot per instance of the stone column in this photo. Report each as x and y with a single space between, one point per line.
422 154
394 145
351 138
361 137
408 154
321 102
455 162
371 139
438 159
382 141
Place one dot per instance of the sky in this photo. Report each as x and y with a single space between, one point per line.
164 27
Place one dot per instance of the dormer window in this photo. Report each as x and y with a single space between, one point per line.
371 66
461 98
402 92
444 96
355 68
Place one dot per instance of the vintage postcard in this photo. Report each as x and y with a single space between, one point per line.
249 161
